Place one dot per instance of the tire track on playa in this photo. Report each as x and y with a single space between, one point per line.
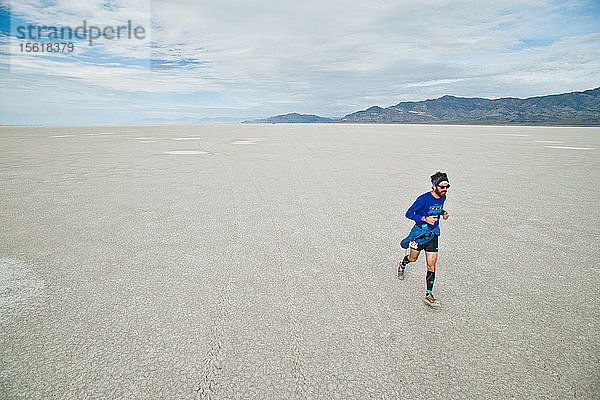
212 364
215 359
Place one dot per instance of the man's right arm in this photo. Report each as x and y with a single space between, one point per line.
411 212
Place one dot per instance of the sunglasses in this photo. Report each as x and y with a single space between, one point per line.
444 187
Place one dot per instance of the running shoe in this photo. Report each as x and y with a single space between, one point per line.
431 301
400 270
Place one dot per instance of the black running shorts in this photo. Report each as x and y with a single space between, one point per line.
429 247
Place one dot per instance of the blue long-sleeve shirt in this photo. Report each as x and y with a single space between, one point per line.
425 206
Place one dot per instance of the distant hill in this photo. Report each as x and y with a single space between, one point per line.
576 108
293 118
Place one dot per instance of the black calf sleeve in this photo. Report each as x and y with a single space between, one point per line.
405 261
429 279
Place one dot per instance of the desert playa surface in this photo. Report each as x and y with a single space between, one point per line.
257 261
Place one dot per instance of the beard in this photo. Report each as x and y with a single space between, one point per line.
440 193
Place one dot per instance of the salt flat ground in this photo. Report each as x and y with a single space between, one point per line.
257 261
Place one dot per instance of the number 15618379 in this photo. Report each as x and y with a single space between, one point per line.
47 47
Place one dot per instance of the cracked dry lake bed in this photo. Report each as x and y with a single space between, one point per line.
257 261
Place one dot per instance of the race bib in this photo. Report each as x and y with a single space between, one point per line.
413 245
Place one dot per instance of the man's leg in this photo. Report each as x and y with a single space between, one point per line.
431 258
411 257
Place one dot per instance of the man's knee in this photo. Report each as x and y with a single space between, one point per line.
431 263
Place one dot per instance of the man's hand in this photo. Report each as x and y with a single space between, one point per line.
445 215
430 220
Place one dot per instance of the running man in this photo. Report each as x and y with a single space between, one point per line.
426 211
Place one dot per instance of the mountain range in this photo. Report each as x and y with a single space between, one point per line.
291 118
575 108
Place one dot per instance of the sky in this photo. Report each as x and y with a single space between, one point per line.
232 61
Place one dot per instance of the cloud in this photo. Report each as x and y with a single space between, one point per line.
330 58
